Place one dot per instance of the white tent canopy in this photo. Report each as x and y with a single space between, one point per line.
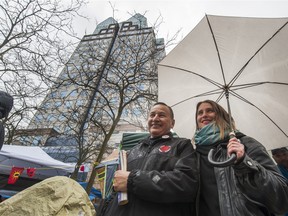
32 157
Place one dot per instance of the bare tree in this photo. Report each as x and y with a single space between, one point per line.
111 77
32 50
128 85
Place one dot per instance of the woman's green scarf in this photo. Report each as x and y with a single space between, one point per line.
209 134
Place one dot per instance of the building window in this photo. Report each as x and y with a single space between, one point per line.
63 93
37 141
53 94
38 118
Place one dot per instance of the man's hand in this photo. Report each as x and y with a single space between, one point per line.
120 180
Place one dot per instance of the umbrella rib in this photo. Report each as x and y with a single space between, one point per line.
212 92
205 78
220 96
248 102
245 65
249 85
218 54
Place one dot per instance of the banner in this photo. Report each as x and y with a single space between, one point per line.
31 172
15 174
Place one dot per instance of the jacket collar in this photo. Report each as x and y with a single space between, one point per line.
152 141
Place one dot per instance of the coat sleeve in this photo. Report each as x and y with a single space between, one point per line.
259 178
177 185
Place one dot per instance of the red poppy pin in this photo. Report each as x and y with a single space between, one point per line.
164 148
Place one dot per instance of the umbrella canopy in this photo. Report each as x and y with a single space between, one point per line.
245 57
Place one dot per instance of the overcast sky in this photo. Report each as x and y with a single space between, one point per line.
176 14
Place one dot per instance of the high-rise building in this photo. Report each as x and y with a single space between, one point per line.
110 77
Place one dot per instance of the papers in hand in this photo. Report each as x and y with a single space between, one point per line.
122 196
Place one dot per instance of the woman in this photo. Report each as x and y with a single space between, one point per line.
251 186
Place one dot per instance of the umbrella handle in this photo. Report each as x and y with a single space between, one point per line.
214 163
228 162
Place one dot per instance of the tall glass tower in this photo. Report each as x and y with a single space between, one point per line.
110 77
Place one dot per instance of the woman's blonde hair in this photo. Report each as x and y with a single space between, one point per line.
221 117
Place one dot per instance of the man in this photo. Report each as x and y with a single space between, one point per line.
162 176
280 155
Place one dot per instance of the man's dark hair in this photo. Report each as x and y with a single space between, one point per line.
279 150
164 104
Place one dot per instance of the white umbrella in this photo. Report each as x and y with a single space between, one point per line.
244 58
